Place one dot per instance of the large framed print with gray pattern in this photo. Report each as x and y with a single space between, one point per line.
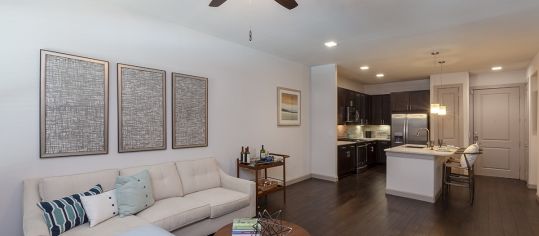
189 111
141 109
74 104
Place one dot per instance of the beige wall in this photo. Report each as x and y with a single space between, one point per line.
349 84
386 88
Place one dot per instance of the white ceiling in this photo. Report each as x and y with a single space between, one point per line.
391 36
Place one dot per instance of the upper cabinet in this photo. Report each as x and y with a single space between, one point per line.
409 102
357 108
380 110
353 107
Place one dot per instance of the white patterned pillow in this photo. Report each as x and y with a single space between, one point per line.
474 148
100 207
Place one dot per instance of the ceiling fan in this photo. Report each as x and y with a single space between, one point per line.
289 4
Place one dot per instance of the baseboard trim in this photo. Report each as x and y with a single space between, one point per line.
411 195
299 179
532 186
324 177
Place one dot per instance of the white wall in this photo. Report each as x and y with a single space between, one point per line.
534 140
350 84
498 78
242 91
454 78
386 88
323 121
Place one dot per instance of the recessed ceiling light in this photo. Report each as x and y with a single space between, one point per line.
364 67
496 68
330 44
380 75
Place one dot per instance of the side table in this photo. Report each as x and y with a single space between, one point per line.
262 190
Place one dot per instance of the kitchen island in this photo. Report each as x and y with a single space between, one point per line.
415 171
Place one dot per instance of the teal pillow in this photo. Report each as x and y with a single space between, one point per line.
134 193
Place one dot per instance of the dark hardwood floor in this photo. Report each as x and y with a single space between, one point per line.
357 205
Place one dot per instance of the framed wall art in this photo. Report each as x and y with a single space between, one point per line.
141 109
74 103
189 111
288 107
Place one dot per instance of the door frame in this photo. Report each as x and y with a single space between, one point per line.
522 160
434 118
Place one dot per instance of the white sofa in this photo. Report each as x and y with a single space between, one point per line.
191 198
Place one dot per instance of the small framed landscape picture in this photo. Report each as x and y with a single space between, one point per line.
288 107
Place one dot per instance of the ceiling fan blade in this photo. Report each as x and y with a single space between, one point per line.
216 3
290 4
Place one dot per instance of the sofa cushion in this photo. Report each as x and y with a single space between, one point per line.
221 200
165 179
197 175
57 187
111 226
134 193
174 213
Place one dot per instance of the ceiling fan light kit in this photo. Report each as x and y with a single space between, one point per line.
288 4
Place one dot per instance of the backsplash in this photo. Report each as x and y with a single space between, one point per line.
357 131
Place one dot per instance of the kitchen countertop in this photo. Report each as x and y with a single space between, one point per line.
420 151
340 143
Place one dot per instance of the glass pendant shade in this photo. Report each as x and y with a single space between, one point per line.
434 108
442 111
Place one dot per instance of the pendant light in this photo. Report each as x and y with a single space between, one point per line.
435 107
442 111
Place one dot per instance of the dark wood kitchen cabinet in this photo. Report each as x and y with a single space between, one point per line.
408 102
346 160
353 107
371 153
380 153
420 101
380 110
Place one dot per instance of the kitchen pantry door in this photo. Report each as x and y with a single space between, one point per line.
496 128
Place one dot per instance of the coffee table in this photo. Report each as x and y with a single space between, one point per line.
296 230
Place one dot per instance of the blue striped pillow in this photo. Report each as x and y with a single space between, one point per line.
66 213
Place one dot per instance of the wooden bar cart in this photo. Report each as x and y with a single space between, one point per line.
265 184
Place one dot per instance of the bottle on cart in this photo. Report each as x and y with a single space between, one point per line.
263 153
242 156
247 155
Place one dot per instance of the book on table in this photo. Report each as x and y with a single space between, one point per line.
245 227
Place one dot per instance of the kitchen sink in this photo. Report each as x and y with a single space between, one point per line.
415 146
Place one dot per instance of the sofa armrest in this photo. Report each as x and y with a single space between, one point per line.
33 222
241 185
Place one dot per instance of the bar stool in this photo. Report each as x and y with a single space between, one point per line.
455 174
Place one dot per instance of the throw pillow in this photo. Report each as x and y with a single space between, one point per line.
66 213
474 148
100 207
134 193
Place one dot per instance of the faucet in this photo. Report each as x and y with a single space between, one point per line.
428 137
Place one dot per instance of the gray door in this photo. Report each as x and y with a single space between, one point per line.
496 128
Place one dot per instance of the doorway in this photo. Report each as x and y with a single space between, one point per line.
496 128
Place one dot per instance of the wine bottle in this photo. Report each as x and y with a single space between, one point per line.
242 156
247 153
263 153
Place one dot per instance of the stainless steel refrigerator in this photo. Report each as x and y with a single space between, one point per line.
404 129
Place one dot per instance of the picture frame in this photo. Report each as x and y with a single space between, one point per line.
189 111
142 123
74 119
288 107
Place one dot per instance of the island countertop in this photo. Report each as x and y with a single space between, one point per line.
420 151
